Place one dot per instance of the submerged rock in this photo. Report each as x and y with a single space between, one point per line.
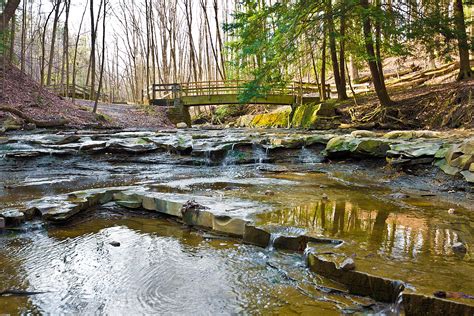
114 243
459 248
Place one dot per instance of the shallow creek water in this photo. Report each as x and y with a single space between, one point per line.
164 267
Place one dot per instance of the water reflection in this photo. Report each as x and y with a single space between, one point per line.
158 268
386 231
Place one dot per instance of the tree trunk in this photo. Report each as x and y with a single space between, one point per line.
341 90
53 42
12 39
379 82
74 70
92 64
7 14
23 37
323 67
101 75
465 71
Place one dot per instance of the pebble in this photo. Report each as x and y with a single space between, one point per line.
452 211
114 243
348 264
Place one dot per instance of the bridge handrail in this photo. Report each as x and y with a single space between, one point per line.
176 90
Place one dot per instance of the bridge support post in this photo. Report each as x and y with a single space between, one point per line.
179 113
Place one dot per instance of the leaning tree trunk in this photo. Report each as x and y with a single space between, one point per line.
465 71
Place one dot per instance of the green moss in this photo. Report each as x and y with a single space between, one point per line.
225 112
274 119
308 115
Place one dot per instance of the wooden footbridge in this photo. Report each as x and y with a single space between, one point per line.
181 96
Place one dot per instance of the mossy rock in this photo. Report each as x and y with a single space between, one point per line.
309 115
400 135
274 119
372 147
340 145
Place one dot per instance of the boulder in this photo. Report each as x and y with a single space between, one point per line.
181 125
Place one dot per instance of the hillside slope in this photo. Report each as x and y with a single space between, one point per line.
18 92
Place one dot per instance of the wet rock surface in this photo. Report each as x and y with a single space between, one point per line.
273 189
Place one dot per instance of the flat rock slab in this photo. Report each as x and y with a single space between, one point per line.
416 304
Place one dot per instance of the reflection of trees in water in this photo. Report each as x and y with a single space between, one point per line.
385 230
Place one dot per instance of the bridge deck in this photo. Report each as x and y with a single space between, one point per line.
227 92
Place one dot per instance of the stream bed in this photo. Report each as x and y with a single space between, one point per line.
120 261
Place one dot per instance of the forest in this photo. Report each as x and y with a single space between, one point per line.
196 157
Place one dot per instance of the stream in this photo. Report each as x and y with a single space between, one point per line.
120 261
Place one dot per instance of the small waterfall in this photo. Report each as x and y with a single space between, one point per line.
396 307
208 158
271 243
230 158
259 154
306 253
307 156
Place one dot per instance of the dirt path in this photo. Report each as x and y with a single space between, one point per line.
132 116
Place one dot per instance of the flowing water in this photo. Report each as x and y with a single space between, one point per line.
163 267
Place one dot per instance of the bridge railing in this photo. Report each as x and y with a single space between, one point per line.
80 92
177 90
